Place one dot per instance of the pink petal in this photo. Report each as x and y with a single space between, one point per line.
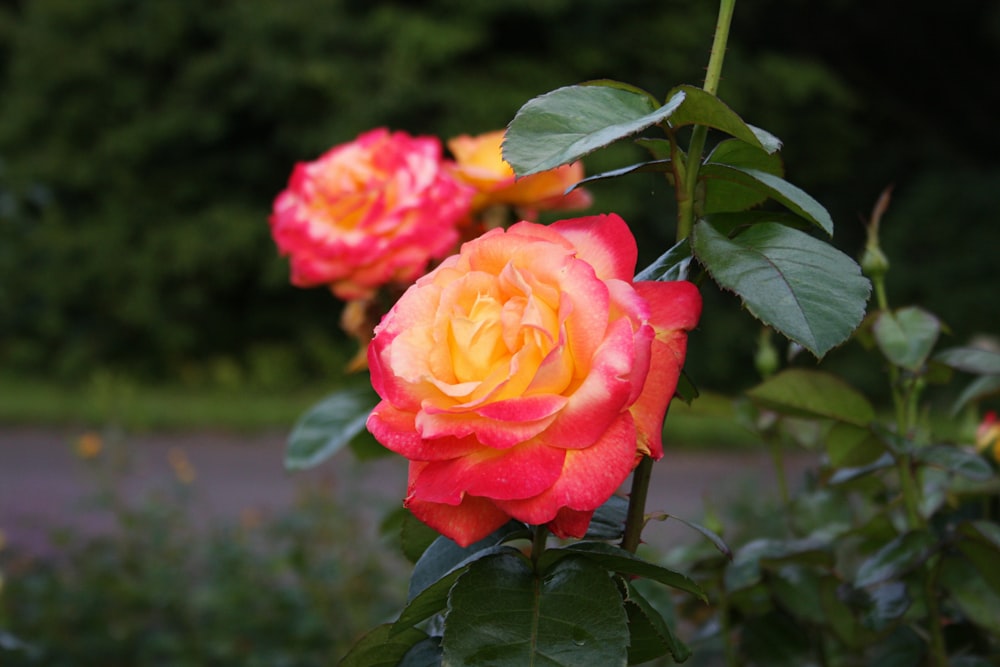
626 302
469 522
519 472
526 408
490 433
677 304
602 396
589 477
396 431
672 305
603 241
570 523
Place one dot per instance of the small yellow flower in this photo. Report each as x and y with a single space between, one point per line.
183 469
988 436
89 445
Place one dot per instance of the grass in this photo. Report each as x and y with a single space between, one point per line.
139 407
113 400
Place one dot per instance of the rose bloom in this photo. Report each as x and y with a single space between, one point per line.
480 164
988 436
525 376
369 212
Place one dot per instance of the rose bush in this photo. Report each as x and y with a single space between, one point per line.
525 376
372 211
479 163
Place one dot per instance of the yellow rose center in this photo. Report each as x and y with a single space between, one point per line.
476 340
499 338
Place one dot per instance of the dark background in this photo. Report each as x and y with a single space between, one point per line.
142 143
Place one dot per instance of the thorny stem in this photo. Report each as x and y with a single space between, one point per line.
635 519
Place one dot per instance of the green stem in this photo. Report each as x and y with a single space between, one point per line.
538 541
938 649
911 495
635 520
714 73
880 296
685 205
728 641
905 398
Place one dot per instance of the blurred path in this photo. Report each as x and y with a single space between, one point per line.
45 481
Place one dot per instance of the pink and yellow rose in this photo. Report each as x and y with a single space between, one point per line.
988 436
479 163
525 376
369 212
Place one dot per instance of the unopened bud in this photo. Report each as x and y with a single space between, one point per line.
766 358
874 263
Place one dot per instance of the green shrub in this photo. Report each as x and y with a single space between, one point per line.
296 589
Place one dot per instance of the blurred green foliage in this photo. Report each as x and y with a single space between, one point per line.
141 145
295 588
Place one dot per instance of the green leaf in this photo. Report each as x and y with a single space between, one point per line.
966 661
653 166
980 388
671 265
957 461
899 556
753 557
730 222
433 598
888 604
443 555
796 200
902 648
501 613
797 589
565 124
894 442
983 531
841 618
804 288
707 533
364 447
775 639
848 445
906 336
380 649
822 514
845 475
608 522
807 393
727 196
978 601
415 536
659 148
702 108
980 543
686 390
650 636
971 360
619 560
426 653
645 643
328 426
